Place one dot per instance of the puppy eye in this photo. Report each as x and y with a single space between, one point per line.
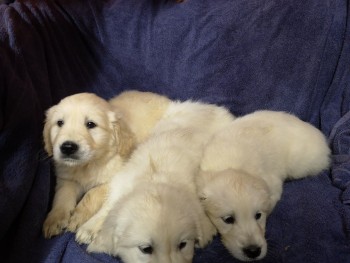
146 249
60 123
257 215
228 219
182 245
90 125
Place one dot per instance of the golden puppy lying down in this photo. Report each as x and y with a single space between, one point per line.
152 213
103 141
89 141
243 169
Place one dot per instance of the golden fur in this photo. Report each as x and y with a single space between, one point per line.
243 170
141 110
89 141
152 200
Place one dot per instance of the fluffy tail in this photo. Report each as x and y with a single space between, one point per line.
309 157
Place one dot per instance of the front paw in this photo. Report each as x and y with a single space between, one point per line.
78 218
55 222
87 232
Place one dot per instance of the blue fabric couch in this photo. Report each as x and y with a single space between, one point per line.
290 55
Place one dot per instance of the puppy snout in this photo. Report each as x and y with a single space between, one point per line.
69 148
252 251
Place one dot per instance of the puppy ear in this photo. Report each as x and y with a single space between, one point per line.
124 137
270 199
270 203
46 132
270 206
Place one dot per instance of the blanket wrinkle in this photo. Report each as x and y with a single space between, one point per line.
340 141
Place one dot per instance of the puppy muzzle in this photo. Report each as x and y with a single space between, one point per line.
69 148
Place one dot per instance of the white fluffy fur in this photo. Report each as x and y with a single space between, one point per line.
102 151
152 200
243 170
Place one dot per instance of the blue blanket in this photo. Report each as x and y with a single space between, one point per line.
290 55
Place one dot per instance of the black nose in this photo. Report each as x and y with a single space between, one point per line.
69 148
252 251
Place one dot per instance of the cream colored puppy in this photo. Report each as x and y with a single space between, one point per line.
168 160
243 170
89 141
156 222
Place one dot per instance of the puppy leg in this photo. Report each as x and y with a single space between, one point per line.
121 184
66 196
88 206
89 230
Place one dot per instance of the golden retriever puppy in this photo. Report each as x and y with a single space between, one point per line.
156 222
89 141
168 159
243 170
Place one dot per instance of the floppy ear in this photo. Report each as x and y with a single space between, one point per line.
124 137
270 206
270 199
270 203
46 132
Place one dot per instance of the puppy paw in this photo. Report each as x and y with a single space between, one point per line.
105 242
77 220
55 222
86 233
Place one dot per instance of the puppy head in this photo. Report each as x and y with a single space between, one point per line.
238 205
155 223
82 128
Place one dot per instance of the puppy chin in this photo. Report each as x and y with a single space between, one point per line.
74 160
71 162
